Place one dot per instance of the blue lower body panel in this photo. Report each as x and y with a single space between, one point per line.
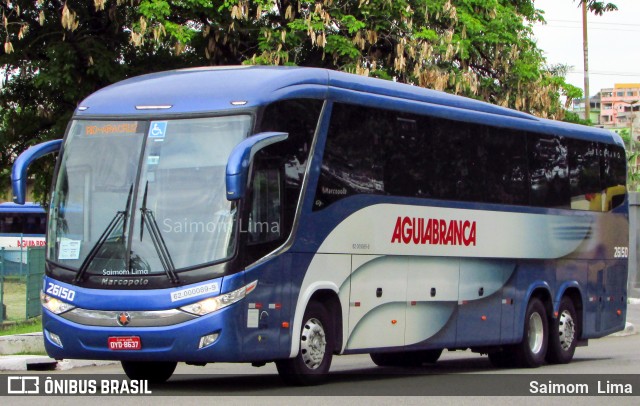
169 343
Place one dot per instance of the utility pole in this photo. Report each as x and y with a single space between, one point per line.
585 48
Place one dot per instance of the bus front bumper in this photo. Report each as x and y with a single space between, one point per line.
207 338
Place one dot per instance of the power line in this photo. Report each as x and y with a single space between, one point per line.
595 23
594 28
606 73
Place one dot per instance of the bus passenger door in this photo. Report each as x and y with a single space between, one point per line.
377 304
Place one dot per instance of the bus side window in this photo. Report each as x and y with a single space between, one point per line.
265 216
584 175
352 163
613 174
548 171
506 168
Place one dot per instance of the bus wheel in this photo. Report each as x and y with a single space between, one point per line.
154 372
531 352
564 334
405 359
311 365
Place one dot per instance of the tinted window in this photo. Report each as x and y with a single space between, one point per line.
613 175
548 171
455 170
278 174
299 119
23 223
506 168
584 175
353 161
374 151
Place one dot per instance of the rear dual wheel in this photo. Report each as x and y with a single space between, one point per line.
564 334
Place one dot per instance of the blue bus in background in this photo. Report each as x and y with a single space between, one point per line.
287 215
21 227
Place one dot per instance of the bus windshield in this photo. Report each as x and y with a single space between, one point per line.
142 198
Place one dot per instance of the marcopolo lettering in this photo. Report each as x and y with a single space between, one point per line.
123 282
421 231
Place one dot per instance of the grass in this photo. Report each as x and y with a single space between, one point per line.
29 326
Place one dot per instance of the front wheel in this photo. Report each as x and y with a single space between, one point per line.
564 334
531 352
154 372
311 365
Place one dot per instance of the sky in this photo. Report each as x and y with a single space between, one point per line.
614 42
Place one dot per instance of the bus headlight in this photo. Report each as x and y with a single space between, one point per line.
54 305
212 304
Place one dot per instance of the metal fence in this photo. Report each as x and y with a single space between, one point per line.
28 272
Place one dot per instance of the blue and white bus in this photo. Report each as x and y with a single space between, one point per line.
287 215
21 227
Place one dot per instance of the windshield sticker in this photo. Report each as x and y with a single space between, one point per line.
69 249
158 129
195 291
153 160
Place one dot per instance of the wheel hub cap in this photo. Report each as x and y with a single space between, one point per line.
313 343
566 330
536 333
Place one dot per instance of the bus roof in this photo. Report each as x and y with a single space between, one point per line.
214 89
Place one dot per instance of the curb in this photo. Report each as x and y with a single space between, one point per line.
629 330
13 349
44 363
30 343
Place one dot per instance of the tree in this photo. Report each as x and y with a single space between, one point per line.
477 48
598 7
57 52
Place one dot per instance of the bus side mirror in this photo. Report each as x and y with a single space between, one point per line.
21 164
240 160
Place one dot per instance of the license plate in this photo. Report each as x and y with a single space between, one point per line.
124 343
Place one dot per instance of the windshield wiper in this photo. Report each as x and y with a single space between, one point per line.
120 217
149 220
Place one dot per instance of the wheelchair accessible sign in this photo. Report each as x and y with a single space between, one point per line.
158 129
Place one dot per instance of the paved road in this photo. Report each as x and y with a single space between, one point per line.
356 377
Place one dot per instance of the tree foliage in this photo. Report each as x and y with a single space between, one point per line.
57 52
598 7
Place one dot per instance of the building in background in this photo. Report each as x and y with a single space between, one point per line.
619 106
578 107
614 108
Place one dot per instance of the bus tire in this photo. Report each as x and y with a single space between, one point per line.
152 371
405 359
563 335
311 365
531 352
